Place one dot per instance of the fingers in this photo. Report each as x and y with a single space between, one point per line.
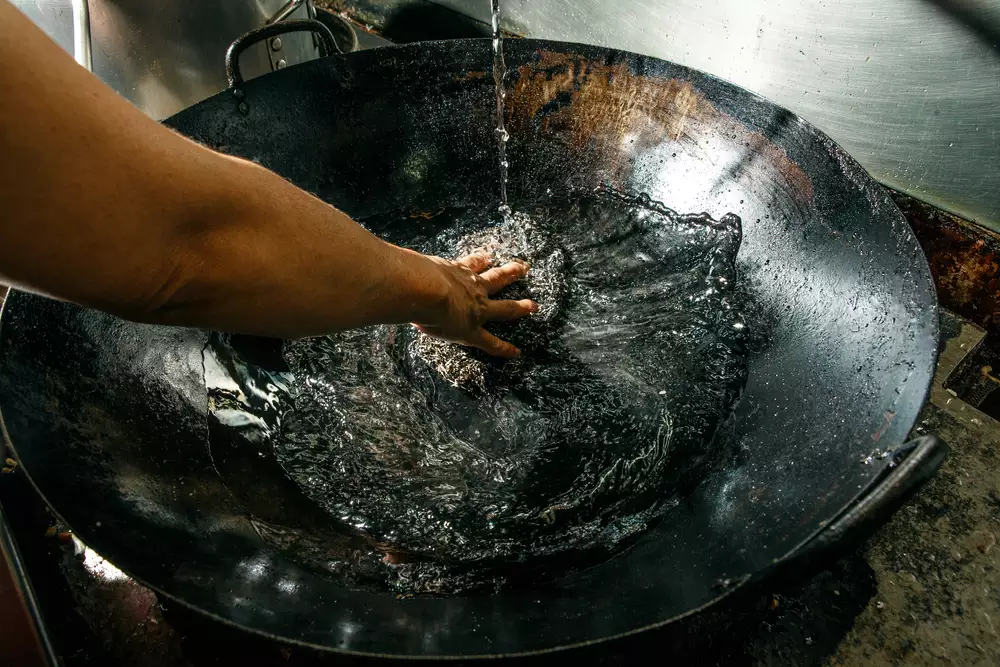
503 311
490 344
498 278
482 340
477 262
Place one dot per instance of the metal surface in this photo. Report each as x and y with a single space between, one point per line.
286 11
912 465
123 619
910 88
55 17
10 557
838 299
344 31
165 55
82 51
234 74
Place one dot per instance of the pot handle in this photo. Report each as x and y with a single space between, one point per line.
241 43
911 466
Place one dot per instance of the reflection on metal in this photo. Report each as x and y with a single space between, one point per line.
911 88
286 11
96 565
10 554
165 55
55 17
81 34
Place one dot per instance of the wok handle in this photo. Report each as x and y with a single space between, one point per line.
246 40
914 463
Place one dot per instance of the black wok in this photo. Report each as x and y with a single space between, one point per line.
109 417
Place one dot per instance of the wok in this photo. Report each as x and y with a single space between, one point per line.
109 418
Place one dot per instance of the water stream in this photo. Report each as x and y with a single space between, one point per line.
499 74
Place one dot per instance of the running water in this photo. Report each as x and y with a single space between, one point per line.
499 73
430 468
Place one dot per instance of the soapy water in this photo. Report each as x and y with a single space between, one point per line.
459 472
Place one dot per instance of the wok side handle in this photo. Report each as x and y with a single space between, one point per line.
914 464
241 43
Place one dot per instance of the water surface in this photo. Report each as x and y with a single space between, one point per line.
456 472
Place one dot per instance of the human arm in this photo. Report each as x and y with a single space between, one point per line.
105 207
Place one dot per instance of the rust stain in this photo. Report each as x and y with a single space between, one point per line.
427 215
687 105
964 259
603 107
469 76
886 422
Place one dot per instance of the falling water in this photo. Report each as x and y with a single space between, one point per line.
499 72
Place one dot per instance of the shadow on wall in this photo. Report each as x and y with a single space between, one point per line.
414 23
982 22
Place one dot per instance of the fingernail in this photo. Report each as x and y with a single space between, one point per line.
534 307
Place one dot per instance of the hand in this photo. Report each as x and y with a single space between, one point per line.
467 306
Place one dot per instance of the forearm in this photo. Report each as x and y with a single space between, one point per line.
272 260
104 207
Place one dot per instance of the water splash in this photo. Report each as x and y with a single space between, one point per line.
555 460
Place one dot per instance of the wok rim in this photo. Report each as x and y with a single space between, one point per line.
850 167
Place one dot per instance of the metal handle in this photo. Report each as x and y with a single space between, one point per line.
913 464
273 30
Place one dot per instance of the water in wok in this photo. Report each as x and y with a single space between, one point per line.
443 470
840 314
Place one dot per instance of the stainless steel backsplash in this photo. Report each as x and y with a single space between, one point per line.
910 88
165 55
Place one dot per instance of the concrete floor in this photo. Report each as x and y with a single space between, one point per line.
925 590
935 564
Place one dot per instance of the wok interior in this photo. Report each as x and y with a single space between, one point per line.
442 472
842 312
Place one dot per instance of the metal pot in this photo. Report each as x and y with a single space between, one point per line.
109 418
